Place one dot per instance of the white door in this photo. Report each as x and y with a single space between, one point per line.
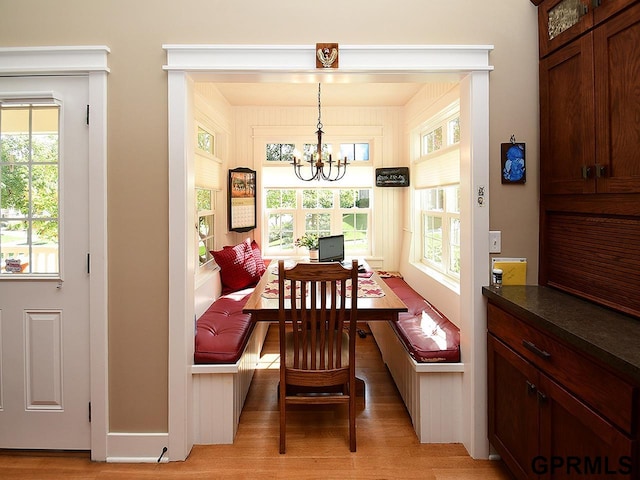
44 278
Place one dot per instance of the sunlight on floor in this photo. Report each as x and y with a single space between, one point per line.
269 361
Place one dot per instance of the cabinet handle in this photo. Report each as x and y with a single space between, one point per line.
586 172
596 3
542 398
538 351
531 388
601 171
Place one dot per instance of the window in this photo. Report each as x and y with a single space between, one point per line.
29 189
280 152
440 215
354 151
437 174
325 211
206 223
206 141
284 152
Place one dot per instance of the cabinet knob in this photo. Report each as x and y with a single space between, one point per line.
586 172
601 171
542 398
531 388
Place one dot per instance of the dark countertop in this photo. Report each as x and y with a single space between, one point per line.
609 336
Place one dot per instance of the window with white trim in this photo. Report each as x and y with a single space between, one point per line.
292 212
440 220
208 174
29 189
437 187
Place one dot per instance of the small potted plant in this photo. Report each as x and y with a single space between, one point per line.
310 241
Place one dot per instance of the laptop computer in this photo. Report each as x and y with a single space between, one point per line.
331 248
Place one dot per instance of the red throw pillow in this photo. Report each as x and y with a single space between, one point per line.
237 266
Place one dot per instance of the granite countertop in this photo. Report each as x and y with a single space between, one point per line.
609 336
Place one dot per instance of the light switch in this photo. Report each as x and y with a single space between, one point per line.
495 241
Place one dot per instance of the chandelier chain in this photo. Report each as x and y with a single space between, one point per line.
319 110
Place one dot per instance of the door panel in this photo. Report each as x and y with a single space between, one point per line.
44 310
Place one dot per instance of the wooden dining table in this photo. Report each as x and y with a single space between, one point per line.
378 303
382 304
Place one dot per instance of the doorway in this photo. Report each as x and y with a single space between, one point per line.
186 63
48 318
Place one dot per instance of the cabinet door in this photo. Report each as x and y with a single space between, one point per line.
575 442
567 144
607 8
561 21
513 409
617 93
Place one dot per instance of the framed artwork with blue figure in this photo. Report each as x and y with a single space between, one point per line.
513 162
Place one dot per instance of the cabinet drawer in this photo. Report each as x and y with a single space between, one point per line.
583 376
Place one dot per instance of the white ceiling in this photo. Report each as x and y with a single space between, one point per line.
306 94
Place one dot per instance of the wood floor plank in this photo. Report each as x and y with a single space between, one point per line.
317 442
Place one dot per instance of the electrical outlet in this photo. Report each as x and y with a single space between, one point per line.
495 241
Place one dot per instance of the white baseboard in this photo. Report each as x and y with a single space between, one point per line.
137 447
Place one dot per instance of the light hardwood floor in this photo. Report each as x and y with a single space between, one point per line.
317 442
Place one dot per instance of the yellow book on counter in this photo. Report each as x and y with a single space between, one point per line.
514 270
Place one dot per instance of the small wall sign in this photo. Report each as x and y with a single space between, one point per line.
513 159
392 177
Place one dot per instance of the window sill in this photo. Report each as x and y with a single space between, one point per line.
438 277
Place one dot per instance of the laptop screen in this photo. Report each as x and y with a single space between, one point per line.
331 249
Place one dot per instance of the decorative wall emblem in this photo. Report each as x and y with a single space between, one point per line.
327 55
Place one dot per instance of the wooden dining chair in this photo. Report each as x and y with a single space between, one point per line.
317 323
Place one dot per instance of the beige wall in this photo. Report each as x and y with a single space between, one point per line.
137 122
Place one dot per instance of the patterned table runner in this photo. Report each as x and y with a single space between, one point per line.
367 288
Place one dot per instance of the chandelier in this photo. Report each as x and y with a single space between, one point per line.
330 170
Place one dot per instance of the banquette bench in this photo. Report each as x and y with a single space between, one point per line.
227 346
422 352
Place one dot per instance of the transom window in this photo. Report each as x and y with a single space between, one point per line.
290 213
29 189
284 152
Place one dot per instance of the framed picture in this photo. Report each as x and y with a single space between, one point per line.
513 163
242 199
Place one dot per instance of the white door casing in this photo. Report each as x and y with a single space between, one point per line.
45 321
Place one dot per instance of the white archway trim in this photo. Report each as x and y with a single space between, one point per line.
291 63
370 59
90 61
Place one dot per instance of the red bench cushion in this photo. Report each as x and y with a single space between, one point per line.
223 330
428 335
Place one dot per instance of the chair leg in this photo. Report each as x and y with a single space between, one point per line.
352 422
283 425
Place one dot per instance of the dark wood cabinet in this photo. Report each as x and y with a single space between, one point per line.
589 144
589 102
561 21
547 419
